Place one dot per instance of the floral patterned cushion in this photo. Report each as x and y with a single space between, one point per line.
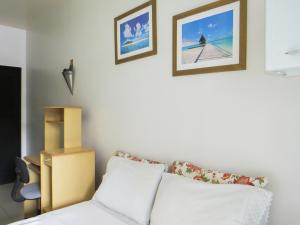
189 170
135 158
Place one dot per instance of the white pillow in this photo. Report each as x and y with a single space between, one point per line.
181 200
129 188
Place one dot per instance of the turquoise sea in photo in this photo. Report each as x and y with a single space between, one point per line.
144 43
225 43
134 34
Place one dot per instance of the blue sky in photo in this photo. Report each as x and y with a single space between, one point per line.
214 27
135 28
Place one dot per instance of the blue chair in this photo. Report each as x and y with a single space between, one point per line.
20 193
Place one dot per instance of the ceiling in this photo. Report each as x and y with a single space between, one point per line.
13 13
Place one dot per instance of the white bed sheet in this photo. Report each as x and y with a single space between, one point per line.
86 213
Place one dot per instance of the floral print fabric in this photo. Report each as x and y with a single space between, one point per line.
135 158
215 177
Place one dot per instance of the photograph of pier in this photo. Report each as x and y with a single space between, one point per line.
209 38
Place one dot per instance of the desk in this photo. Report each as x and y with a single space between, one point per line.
67 177
33 159
33 164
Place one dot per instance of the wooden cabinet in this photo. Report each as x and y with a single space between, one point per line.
283 37
67 177
65 170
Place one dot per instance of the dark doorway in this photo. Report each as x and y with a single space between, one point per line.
10 121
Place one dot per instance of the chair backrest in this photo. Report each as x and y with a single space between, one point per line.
22 177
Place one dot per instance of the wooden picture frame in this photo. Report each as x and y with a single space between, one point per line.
136 33
208 54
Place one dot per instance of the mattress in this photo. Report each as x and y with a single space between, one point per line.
86 213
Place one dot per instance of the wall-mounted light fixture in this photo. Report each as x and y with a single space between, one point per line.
69 75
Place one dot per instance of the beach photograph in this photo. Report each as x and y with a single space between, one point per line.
134 34
209 38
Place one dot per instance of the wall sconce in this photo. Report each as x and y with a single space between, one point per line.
69 75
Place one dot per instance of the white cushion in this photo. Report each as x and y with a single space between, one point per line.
181 200
129 187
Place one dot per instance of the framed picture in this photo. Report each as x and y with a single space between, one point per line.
212 38
136 33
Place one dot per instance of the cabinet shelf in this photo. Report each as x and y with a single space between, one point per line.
62 128
55 122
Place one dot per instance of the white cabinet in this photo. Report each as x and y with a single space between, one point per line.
283 37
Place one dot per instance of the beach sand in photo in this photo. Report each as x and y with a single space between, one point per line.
189 56
208 52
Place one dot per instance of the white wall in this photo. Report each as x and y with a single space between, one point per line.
13 53
246 121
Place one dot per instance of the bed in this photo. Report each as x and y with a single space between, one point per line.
133 192
86 213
